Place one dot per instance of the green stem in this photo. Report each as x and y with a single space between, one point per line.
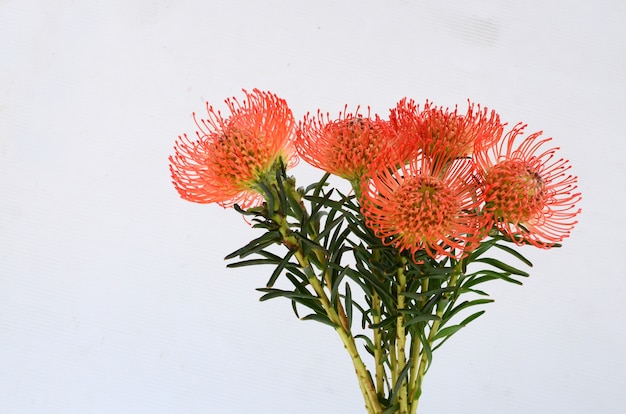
339 319
423 363
378 346
365 381
401 341
416 350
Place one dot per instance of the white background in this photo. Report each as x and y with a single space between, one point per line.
114 296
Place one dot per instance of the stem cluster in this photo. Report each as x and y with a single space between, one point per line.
407 309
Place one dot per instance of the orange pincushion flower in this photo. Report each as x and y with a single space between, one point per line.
346 146
427 205
453 133
231 156
527 192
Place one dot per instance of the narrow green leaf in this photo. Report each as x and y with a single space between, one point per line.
470 318
369 345
466 304
401 377
427 294
296 208
255 245
328 227
252 262
269 197
282 194
279 268
334 292
295 308
275 293
514 253
317 187
448 331
348 305
480 250
384 322
426 348
503 266
421 318
319 318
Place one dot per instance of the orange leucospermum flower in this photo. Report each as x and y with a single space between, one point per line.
231 156
346 146
528 194
428 205
454 133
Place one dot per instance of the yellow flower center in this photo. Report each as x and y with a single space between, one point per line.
356 144
424 210
514 191
445 132
241 157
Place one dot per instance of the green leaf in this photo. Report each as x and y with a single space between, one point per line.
275 293
257 244
336 242
298 212
448 331
253 211
327 202
279 268
421 318
514 253
269 197
282 194
451 312
401 377
317 187
348 305
503 266
480 250
369 345
426 349
385 322
319 318
488 275
470 318
295 308
304 297
334 292
328 228
427 294
252 262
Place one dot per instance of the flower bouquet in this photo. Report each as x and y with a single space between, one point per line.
395 263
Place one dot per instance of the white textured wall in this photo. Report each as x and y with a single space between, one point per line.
114 297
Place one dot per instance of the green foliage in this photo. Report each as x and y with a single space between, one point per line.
339 270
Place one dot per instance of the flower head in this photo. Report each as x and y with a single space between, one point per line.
426 205
434 128
528 194
346 146
231 156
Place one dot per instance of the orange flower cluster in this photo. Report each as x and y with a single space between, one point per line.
430 180
467 177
